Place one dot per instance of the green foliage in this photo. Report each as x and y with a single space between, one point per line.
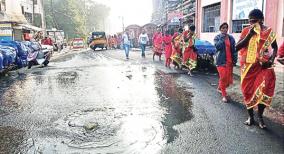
76 17
37 20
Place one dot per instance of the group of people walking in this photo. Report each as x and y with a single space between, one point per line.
114 41
178 48
256 64
253 49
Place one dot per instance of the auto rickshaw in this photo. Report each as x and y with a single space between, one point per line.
98 40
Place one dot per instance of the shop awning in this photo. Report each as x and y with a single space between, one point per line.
27 27
13 18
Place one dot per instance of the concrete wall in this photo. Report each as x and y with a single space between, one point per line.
280 20
209 2
13 7
28 6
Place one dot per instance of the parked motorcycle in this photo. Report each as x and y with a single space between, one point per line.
38 55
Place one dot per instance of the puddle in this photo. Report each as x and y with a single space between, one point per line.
91 104
66 79
177 101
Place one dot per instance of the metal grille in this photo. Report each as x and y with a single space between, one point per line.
211 18
238 25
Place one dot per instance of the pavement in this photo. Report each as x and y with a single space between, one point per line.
276 110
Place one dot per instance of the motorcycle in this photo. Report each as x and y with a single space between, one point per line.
38 55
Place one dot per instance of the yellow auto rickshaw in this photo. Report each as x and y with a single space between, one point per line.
98 40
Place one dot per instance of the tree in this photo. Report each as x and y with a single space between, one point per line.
75 19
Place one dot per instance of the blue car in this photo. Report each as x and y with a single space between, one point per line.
9 55
205 51
21 51
204 47
1 62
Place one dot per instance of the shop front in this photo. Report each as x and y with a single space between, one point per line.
15 27
211 13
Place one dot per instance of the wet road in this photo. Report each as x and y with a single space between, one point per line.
97 102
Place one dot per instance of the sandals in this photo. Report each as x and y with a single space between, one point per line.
261 124
249 122
224 100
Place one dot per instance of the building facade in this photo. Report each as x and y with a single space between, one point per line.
19 17
31 9
173 13
211 13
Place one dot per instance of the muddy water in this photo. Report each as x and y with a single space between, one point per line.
91 103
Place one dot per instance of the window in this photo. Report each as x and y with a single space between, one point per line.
23 9
211 18
283 25
240 13
283 28
2 6
35 2
238 25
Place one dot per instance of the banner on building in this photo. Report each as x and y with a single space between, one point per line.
241 8
175 16
6 30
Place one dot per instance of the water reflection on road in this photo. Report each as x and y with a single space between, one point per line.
92 103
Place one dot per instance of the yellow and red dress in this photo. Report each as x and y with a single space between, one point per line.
177 48
189 55
257 83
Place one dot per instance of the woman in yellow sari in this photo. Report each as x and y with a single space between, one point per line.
257 73
177 43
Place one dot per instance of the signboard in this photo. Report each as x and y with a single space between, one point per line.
6 32
175 16
78 43
241 8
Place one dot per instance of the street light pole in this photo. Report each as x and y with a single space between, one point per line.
122 21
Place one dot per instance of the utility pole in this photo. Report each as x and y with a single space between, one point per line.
33 12
53 15
43 25
85 20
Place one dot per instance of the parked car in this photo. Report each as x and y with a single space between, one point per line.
21 52
9 55
1 62
205 51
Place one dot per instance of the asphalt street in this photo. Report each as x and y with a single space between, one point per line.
99 102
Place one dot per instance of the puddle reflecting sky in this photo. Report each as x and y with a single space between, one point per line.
134 106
